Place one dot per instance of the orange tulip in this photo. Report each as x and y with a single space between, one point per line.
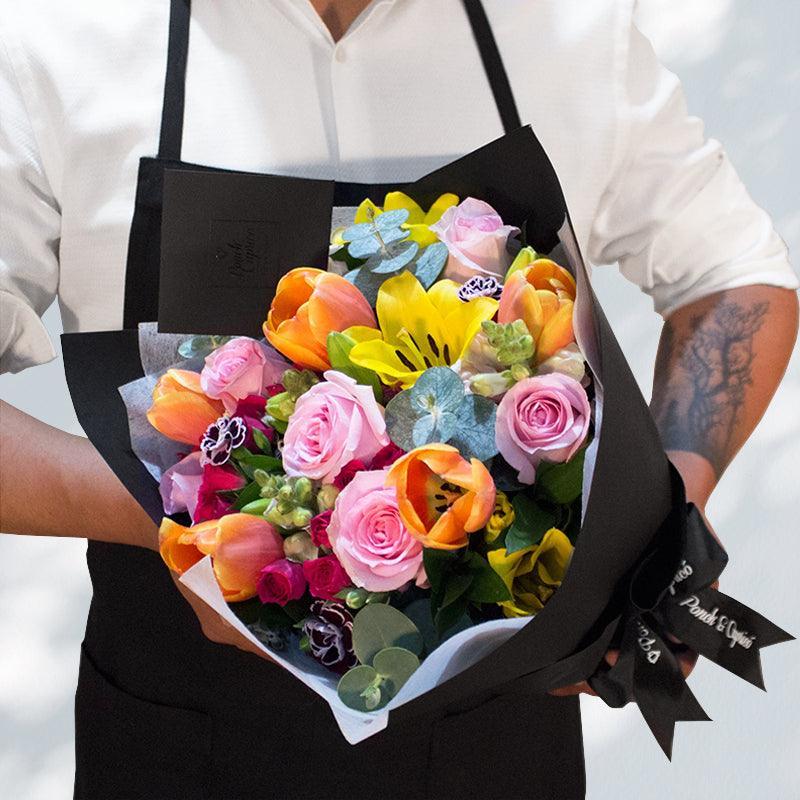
441 496
543 296
309 304
180 410
240 546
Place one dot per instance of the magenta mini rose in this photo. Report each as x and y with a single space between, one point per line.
326 577
239 368
333 423
476 240
281 581
544 418
318 528
369 537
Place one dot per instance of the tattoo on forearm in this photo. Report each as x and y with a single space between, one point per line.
702 377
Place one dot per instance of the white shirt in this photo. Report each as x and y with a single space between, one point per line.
402 93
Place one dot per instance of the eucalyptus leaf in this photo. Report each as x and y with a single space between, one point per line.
395 665
474 434
400 420
395 258
357 689
531 522
437 387
430 264
378 626
438 426
368 283
201 346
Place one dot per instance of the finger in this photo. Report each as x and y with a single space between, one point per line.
575 689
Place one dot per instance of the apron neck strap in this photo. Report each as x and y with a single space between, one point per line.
493 65
169 145
178 49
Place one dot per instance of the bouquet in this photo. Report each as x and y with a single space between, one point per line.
400 459
435 477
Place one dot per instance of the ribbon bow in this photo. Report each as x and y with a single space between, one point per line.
671 592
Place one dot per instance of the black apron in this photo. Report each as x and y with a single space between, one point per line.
162 712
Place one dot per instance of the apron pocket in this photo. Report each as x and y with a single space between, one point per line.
513 747
129 747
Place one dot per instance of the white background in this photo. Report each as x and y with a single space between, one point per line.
740 63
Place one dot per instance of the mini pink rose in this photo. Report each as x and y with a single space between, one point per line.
240 367
476 239
281 581
369 537
326 577
334 422
544 418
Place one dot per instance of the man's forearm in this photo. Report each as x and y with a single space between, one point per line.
56 484
719 363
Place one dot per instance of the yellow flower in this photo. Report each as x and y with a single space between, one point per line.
418 222
418 329
532 575
501 519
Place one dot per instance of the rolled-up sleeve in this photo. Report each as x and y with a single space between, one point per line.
676 216
30 223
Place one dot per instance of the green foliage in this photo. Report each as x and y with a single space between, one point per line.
377 626
247 495
201 346
438 409
531 522
250 462
562 483
339 346
511 341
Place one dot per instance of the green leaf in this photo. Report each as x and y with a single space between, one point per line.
339 346
437 563
250 462
201 346
273 616
437 388
261 441
360 689
248 611
448 617
531 522
474 434
456 584
395 665
562 483
420 613
434 427
250 492
487 586
378 626
430 264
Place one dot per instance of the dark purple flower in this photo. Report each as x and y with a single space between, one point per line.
480 286
329 628
221 437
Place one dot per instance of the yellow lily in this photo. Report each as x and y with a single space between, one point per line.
417 329
532 575
418 222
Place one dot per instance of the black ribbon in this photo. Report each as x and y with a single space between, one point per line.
672 594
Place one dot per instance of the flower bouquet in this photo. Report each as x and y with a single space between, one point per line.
435 476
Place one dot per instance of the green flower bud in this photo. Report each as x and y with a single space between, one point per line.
356 598
376 597
303 490
280 406
299 547
326 497
301 517
518 372
490 384
257 507
512 341
523 259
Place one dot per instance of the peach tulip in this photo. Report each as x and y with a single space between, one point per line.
309 304
180 410
441 496
240 546
543 296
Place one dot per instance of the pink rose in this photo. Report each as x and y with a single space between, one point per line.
334 422
240 367
281 581
476 239
368 536
180 484
544 418
326 577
